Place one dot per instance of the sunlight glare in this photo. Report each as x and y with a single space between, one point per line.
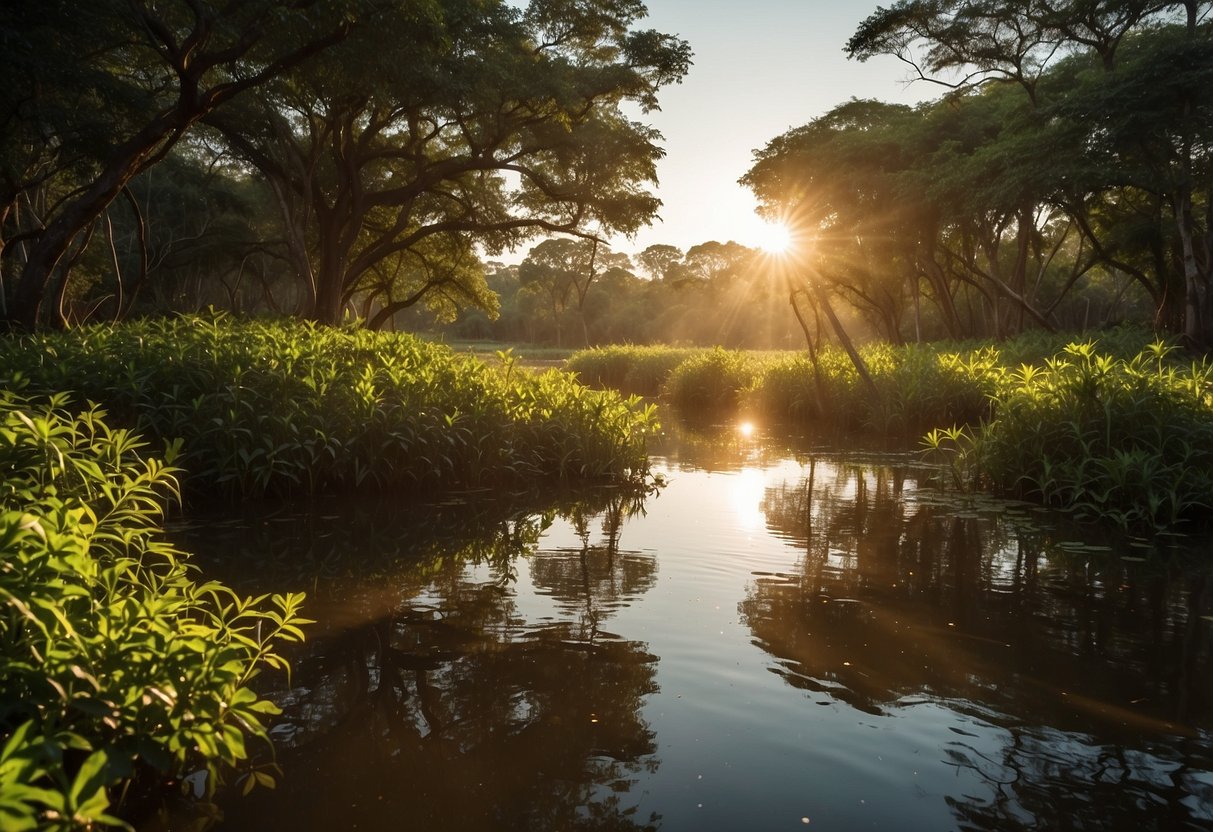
749 487
746 429
774 238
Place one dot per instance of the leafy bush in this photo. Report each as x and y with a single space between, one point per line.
283 407
641 371
1125 440
116 665
917 388
710 381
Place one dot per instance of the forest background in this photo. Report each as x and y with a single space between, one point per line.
292 159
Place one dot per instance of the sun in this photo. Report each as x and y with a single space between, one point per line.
773 237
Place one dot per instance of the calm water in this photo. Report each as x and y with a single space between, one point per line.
778 639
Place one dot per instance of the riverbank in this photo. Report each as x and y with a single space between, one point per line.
1117 428
278 407
126 678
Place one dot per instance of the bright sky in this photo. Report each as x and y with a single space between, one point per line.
760 68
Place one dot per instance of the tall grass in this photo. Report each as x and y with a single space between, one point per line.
1118 429
919 387
916 388
280 407
1126 440
641 371
711 381
117 667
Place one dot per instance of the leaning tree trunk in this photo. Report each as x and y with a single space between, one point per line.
860 367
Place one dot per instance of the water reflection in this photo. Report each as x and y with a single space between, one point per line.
430 700
1084 683
595 579
838 641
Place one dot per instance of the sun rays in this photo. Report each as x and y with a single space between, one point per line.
773 238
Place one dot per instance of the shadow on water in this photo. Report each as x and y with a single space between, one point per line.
1083 671
422 696
475 662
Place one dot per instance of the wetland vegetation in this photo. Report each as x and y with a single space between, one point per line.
1116 428
125 671
215 219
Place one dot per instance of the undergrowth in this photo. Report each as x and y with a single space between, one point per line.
281 407
1117 428
120 671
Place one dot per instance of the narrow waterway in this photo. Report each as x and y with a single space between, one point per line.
782 636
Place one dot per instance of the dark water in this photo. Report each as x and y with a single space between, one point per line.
778 639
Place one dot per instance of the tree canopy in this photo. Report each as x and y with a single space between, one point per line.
1071 149
389 134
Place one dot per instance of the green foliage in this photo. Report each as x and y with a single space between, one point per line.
954 450
1037 346
710 381
1122 432
1126 440
640 371
917 387
281 408
116 665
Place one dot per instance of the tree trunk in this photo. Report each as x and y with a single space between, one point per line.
843 338
818 382
1195 281
331 275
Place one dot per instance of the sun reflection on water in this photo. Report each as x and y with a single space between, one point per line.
746 499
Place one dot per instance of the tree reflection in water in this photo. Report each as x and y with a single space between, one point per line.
899 604
429 701
596 579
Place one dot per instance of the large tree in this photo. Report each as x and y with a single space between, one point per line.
96 93
835 182
462 117
1132 129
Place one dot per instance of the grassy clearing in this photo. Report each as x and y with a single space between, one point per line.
527 353
278 407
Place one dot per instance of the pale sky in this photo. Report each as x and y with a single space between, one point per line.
760 68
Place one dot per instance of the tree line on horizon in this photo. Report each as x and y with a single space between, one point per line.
375 160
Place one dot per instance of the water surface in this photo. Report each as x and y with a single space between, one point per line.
781 637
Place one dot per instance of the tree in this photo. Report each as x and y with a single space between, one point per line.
562 268
715 262
835 181
195 232
1151 121
660 261
441 270
111 86
1138 120
472 118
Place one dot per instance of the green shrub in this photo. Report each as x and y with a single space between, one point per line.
280 407
786 391
916 388
1129 441
116 665
641 371
710 381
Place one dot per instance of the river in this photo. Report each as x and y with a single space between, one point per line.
783 636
